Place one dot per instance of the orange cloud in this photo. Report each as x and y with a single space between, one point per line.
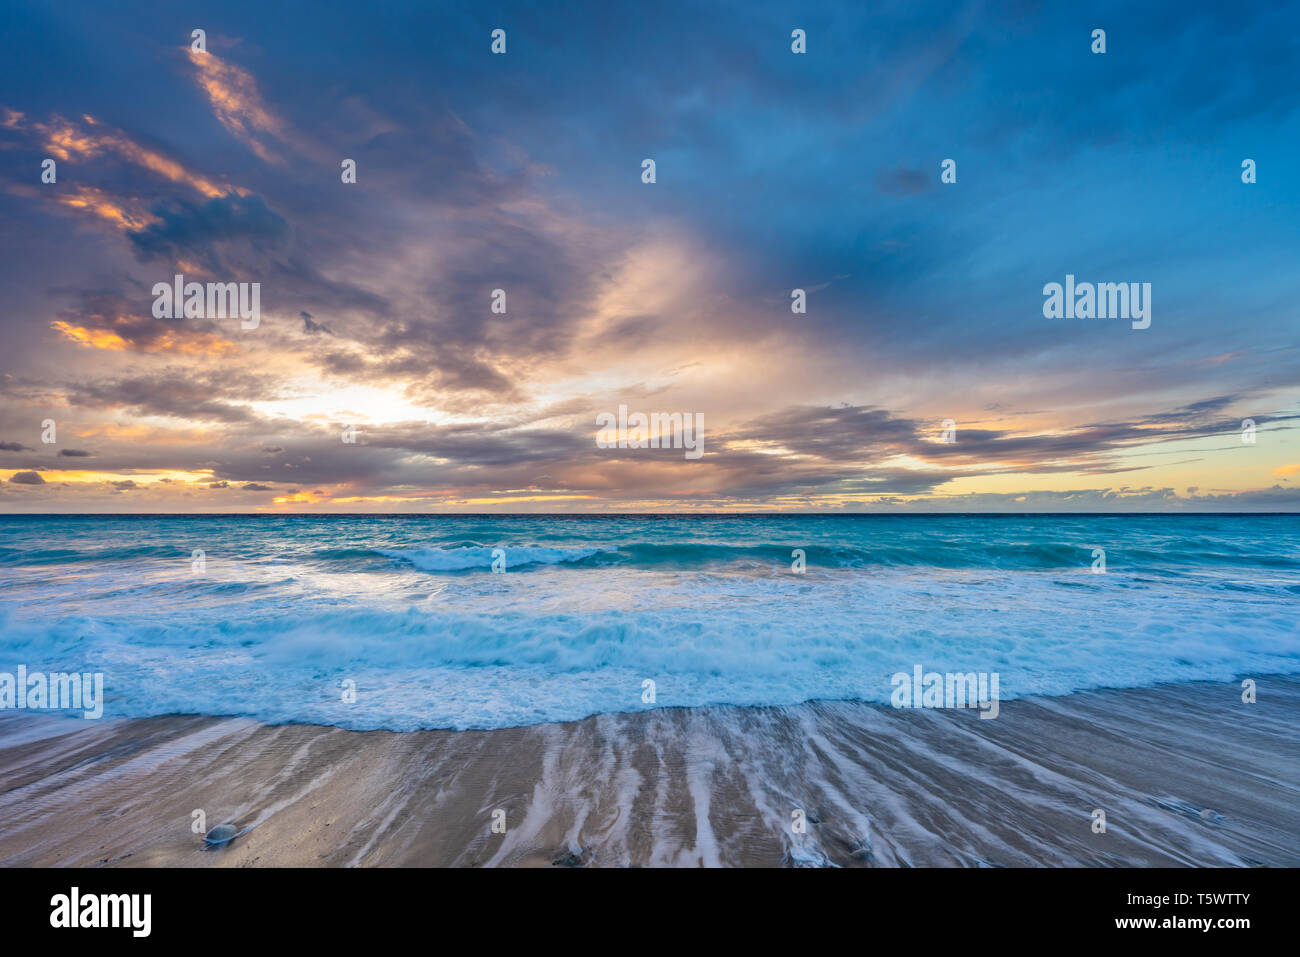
354 499
92 338
122 214
191 344
236 103
298 497
145 433
510 499
82 476
66 141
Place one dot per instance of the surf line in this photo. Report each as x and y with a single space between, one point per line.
950 690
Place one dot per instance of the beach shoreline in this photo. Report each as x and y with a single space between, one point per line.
1186 774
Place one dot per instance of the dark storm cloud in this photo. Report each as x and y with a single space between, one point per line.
27 478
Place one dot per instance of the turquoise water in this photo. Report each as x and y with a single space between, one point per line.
283 615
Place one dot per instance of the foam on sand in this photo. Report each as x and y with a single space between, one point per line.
1186 773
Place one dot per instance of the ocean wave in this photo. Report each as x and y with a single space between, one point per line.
424 545
1038 556
498 651
284 611
472 556
40 555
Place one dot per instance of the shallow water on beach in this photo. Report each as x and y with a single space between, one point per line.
1186 774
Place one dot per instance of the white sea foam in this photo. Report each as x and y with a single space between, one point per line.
492 650
285 613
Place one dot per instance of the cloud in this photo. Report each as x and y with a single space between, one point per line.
69 140
776 172
311 327
183 228
113 321
124 213
27 478
237 104
174 393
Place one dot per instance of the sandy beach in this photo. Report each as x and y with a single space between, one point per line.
1186 774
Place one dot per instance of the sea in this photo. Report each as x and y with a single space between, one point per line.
405 622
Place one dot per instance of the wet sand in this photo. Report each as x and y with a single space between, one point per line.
1186 774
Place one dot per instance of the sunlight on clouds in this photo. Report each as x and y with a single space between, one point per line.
66 141
82 476
358 404
195 344
94 338
235 102
298 498
121 214
153 435
514 499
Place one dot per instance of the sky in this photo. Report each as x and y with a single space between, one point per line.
379 378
